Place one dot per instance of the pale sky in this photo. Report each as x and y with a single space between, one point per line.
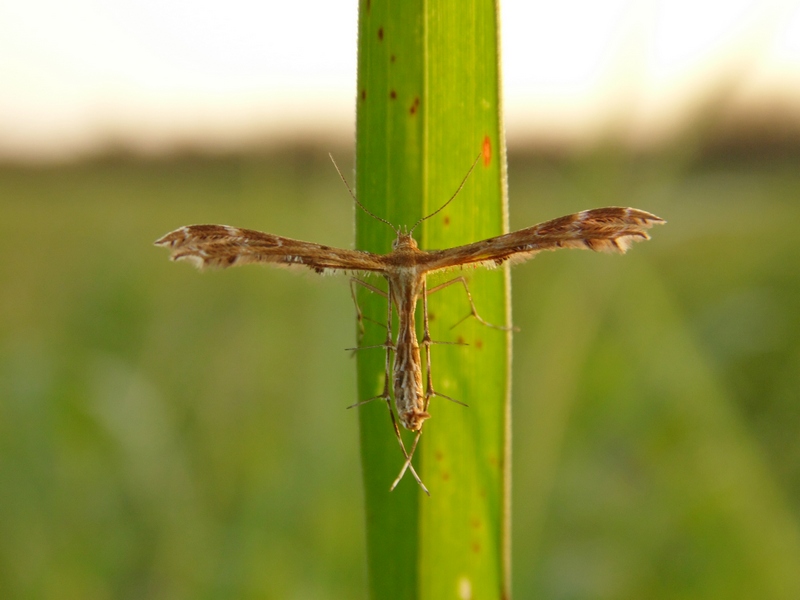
154 74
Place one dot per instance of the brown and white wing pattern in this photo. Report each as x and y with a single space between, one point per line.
610 229
224 246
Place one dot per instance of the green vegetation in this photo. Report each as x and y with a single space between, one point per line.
167 434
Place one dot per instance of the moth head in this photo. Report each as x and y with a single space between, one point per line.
404 240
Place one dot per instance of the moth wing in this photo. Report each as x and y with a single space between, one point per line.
610 229
223 246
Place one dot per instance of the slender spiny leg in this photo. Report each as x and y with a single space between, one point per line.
387 397
361 318
408 455
430 392
388 363
426 342
386 394
473 310
386 381
359 314
387 344
408 466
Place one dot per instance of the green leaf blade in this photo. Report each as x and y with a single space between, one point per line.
428 105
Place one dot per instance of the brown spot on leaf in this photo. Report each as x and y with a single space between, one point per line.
446 220
380 33
479 343
414 106
363 94
391 58
476 547
487 151
392 94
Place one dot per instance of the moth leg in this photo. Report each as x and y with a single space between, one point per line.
407 464
430 392
359 315
386 394
387 344
473 310
408 456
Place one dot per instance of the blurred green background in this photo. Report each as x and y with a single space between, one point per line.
170 434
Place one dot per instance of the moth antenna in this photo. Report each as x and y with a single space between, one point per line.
353 196
442 207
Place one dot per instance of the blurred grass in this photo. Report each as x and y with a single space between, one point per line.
165 434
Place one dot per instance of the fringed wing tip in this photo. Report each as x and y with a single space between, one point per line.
175 240
180 236
647 221
172 239
641 220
